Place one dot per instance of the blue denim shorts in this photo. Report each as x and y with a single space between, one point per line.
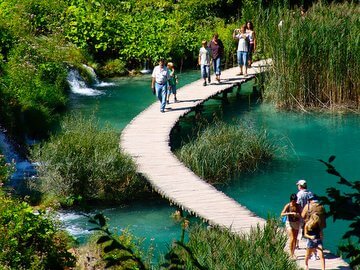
313 243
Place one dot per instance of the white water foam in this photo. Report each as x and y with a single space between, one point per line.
74 224
78 85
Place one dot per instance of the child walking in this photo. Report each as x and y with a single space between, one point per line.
171 82
204 62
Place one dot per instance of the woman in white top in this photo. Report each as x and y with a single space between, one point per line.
243 48
204 61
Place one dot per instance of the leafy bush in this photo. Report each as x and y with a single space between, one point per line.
29 239
222 150
6 169
84 162
113 68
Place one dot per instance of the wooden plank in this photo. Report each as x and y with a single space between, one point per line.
147 138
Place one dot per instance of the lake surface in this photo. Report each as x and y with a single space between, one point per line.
305 138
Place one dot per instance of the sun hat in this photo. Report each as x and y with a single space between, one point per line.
301 183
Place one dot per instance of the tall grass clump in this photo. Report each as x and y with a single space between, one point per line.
218 248
222 150
316 56
85 163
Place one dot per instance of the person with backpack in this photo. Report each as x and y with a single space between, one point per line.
313 207
302 199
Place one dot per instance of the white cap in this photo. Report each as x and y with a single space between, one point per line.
301 183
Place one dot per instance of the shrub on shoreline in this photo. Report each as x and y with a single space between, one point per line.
31 240
85 163
262 248
223 150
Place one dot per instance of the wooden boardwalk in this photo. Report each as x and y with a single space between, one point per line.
147 140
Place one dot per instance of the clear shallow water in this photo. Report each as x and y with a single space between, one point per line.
308 137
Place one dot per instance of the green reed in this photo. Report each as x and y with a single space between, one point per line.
316 56
84 163
223 150
263 248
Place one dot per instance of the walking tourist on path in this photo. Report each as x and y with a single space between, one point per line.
172 82
302 199
292 212
243 48
252 37
159 82
217 51
313 232
204 61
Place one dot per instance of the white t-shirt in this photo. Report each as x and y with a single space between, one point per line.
161 75
243 45
204 54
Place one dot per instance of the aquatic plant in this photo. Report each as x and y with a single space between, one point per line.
84 163
262 248
316 56
222 150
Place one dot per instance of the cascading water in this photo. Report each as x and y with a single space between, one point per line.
24 169
79 86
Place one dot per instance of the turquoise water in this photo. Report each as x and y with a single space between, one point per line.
307 138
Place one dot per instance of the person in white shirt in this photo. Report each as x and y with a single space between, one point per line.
243 48
204 61
159 83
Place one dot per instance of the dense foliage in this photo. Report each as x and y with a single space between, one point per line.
84 163
222 150
30 239
6 169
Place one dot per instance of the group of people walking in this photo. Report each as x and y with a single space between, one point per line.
305 217
164 80
163 83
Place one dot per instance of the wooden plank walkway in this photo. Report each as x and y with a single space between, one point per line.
147 139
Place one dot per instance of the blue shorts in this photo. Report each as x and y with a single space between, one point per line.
242 58
313 243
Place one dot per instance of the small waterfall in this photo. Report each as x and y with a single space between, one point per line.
23 168
78 85
146 69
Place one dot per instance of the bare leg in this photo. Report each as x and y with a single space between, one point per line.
307 256
322 258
